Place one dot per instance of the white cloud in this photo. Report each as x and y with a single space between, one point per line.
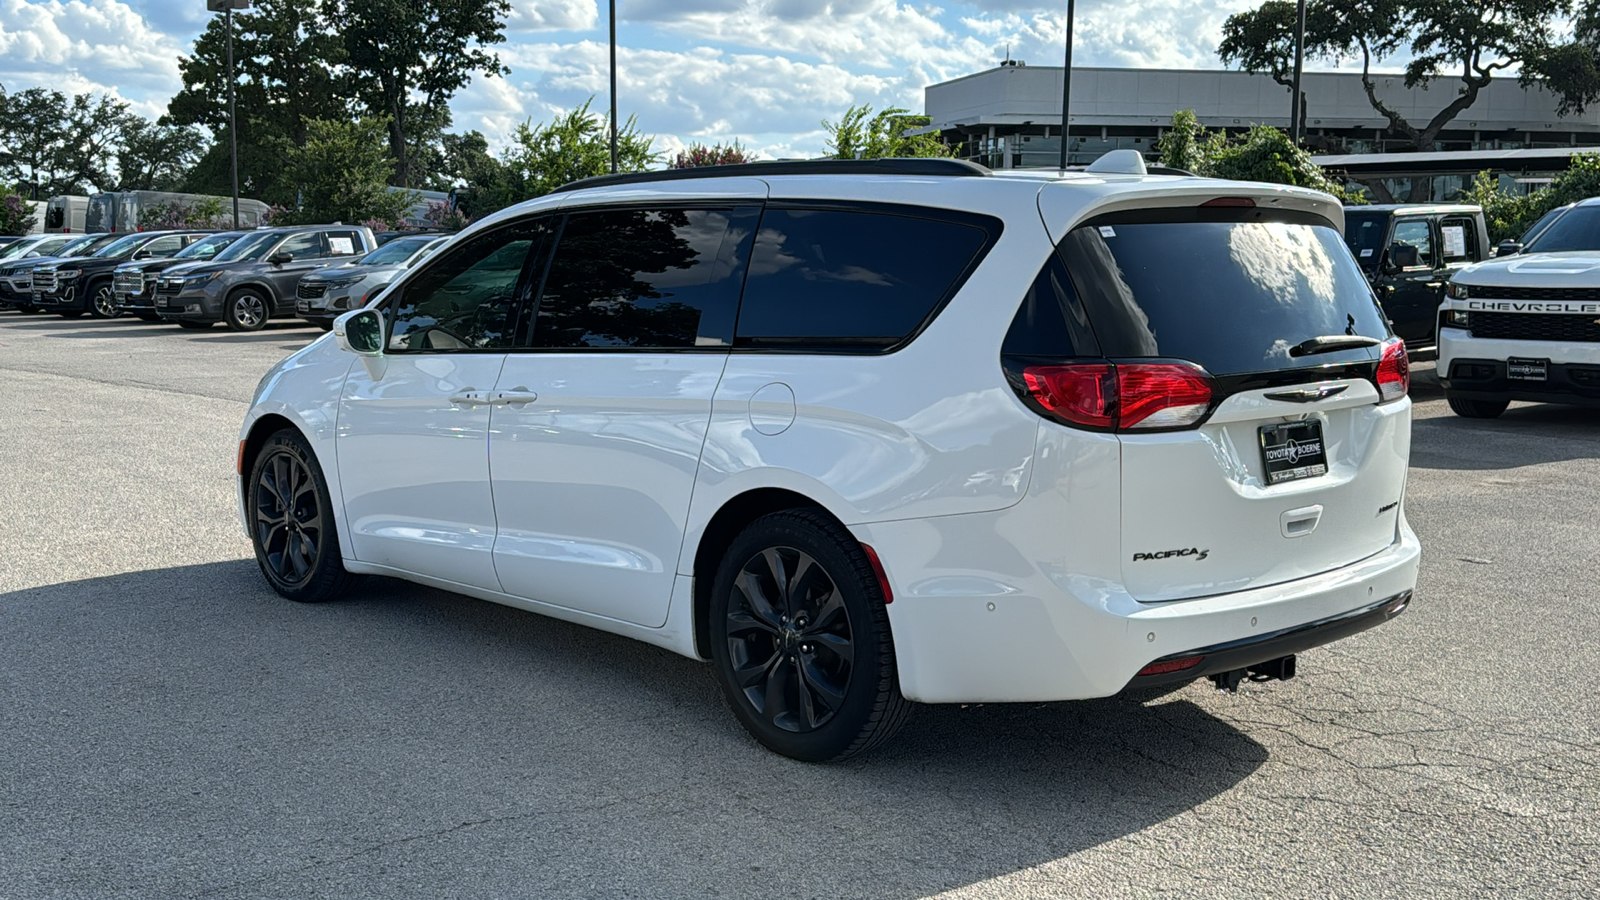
87 45
552 15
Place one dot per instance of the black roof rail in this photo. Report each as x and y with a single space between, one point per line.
919 166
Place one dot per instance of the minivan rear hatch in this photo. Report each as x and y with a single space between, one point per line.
1295 463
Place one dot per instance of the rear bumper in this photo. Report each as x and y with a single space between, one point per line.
1005 634
1251 651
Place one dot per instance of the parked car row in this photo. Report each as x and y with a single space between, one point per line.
197 278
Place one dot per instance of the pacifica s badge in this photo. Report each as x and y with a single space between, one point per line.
1309 395
1387 506
1195 552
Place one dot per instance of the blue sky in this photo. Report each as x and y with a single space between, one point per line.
765 72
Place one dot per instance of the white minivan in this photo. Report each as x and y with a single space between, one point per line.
861 433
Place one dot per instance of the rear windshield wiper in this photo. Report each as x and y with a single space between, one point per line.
1330 342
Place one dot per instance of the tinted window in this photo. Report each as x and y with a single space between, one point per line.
1364 233
250 248
1051 321
164 246
121 248
1416 233
396 251
1579 229
465 299
835 279
661 279
1231 296
205 248
306 245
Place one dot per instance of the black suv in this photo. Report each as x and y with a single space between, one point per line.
1409 251
72 286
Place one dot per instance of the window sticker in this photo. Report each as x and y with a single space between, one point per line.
1366 253
343 246
1455 240
1107 231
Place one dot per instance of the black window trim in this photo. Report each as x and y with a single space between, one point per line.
523 341
991 226
520 298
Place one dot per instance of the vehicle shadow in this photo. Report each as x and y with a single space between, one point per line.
181 714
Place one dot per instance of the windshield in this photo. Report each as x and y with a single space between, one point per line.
250 248
1579 229
14 250
206 248
1364 232
1231 296
395 252
123 247
87 245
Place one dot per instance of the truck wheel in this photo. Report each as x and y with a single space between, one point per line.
102 303
247 309
1477 409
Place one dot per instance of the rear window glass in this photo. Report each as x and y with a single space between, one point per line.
1231 296
1364 232
844 279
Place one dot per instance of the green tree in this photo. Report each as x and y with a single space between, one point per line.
16 214
1510 214
573 146
289 73
157 157
861 134
33 141
1463 41
407 58
1261 154
341 174
698 154
1570 68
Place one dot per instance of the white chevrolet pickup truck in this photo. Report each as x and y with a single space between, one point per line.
1527 326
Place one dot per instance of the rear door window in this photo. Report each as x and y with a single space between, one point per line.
645 279
833 279
1416 233
306 245
1232 296
1458 240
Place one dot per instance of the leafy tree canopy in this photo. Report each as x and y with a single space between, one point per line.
861 134
1464 42
1510 214
1261 154
342 173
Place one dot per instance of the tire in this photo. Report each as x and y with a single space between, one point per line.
1477 409
800 639
195 326
291 522
247 309
102 302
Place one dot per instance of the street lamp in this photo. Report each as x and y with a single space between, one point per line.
1299 61
613 86
1066 88
226 7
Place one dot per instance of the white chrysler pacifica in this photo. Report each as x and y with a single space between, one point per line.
862 433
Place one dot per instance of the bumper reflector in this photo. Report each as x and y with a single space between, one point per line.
1168 666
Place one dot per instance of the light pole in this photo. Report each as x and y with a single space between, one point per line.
1066 87
226 7
613 87
1299 59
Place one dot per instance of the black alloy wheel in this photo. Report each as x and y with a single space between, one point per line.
247 310
102 302
801 639
291 521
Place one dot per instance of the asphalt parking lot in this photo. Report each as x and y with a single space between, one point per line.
169 727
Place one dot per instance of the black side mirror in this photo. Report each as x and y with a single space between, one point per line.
280 258
1508 248
142 254
1402 256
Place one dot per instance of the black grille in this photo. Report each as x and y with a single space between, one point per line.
1534 327
169 285
311 291
1574 295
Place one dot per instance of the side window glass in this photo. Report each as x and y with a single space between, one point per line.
1051 322
645 279
165 246
306 245
1416 233
841 280
1458 240
466 298
344 243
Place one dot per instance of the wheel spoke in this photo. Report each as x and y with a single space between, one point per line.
831 610
742 622
838 646
776 699
780 578
808 710
749 676
756 601
817 682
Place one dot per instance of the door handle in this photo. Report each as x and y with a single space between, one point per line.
470 397
518 396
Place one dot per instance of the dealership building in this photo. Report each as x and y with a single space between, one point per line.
1010 117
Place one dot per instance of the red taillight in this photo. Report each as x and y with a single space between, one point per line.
1394 372
1122 396
1229 201
1168 666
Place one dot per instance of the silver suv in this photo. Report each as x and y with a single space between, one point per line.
255 277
